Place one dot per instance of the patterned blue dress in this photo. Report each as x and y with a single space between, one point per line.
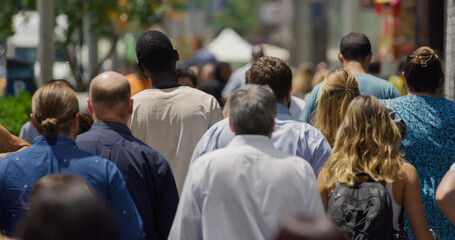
430 147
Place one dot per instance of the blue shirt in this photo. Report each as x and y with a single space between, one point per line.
236 80
20 171
430 147
368 85
147 173
290 135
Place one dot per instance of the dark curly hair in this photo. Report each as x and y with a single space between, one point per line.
154 51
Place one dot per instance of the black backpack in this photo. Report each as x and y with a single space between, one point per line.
363 211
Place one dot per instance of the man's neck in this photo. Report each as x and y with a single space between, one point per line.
354 66
164 79
112 119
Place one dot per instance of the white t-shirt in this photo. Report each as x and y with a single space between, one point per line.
172 121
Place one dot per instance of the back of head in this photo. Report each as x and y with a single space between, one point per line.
252 109
63 207
355 47
423 71
309 228
337 90
154 51
110 93
54 106
367 141
273 72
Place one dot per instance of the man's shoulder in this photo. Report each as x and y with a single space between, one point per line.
373 81
119 140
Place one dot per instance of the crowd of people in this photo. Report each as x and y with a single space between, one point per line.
200 153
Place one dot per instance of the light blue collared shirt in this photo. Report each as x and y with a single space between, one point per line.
243 191
290 135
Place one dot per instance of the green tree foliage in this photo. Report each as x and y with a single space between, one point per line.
240 15
110 18
14 112
8 9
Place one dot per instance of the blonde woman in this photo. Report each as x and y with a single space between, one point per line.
368 142
338 89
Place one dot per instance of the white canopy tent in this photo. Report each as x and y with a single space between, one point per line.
228 46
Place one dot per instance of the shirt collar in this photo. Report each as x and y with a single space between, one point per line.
57 140
252 140
116 126
281 109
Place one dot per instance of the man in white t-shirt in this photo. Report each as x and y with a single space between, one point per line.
169 117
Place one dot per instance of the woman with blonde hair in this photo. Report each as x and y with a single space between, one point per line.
338 89
368 142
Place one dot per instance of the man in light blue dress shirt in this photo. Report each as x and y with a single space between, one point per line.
244 190
290 135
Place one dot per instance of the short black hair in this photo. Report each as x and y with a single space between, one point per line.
154 51
355 46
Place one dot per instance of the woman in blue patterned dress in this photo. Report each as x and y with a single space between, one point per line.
430 142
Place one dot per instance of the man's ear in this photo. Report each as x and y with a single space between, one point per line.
231 126
340 58
176 55
130 106
139 66
89 105
272 128
369 57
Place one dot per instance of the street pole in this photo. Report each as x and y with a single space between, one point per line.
46 48
449 87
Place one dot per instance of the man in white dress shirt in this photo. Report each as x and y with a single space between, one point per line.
290 135
244 190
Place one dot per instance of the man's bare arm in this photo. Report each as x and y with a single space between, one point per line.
11 143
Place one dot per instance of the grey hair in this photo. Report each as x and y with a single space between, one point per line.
252 109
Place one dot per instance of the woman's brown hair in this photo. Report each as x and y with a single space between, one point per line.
54 106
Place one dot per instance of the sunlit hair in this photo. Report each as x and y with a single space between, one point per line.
366 142
338 89
54 106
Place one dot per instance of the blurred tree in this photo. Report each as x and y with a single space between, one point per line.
240 15
109 18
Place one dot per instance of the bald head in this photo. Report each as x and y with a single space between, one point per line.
110 95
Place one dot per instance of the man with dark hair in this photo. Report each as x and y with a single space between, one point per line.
290 135
147 173
244 190
169 117
355 54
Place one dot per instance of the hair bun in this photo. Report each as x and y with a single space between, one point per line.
424 56
49 126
